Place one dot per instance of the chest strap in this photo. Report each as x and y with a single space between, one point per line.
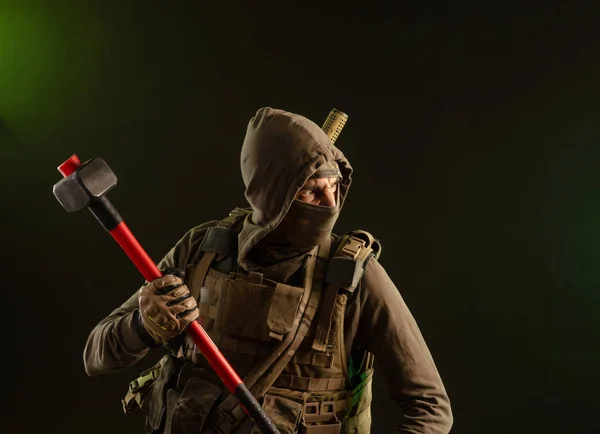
219 241
344 271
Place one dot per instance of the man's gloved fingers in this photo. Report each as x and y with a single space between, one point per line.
173 271
178 292
178 300
186 310
166 289
185 304
164 285
189 314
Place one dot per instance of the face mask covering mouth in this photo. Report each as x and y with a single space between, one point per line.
304 226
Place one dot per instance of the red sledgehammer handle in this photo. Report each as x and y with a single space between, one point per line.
217 361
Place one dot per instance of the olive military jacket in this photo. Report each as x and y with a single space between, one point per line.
376 319
281 151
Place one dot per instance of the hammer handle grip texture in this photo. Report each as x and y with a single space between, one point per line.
125 238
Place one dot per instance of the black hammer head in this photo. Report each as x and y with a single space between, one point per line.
84 186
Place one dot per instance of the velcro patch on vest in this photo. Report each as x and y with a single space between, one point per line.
243 309
336 319
284 305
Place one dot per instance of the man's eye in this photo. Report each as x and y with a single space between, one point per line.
307 192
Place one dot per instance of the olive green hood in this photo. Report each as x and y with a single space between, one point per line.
280 152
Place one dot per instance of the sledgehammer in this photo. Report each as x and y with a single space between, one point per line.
85 186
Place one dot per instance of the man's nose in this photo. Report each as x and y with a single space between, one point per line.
328 199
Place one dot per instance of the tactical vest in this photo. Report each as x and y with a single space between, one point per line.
286 343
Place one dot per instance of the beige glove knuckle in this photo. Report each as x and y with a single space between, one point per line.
190 303
193 316
148 306
178 309
166 280
161 320
180 291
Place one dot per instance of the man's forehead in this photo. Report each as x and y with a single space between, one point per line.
318 182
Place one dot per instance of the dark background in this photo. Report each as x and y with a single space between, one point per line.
474 135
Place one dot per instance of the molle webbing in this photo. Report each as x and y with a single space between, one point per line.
309 384
322 360
326 411
207 310
201 272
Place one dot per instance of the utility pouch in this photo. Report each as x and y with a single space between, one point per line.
283 412
252 308
358 419
149 392
193 402
320 418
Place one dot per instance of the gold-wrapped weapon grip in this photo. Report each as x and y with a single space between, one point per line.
334 123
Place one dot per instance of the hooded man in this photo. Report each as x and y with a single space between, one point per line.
270 286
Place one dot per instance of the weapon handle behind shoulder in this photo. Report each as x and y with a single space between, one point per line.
334 123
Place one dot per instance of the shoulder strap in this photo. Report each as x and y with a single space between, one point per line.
348 263
345 269
262 376
219 241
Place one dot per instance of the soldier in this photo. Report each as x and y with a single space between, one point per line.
299 312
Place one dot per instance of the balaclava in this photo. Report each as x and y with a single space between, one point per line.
281 151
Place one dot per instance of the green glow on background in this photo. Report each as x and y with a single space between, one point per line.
484 186
28 60
40 81
67 68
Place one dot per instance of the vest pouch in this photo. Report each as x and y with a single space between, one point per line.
256 311
191 406
284 413
154 399
358 420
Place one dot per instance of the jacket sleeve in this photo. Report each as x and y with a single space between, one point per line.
115 344
388 330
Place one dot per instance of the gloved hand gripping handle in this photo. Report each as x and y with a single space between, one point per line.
108 216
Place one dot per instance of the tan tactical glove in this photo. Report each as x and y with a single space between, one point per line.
166 308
